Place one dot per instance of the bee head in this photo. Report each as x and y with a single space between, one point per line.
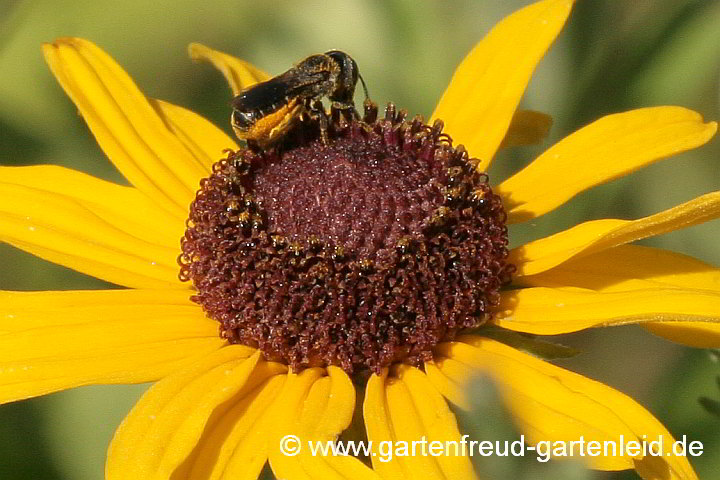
345 88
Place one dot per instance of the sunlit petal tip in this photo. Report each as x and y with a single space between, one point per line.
712 128
598 235
478 104
48 50
611 147
46 46
128 128
696 334
238 73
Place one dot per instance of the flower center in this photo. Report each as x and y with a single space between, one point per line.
365 251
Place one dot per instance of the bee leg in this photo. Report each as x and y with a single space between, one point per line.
316 112
324 126
347 109
253 145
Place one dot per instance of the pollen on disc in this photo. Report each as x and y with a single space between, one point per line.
359 252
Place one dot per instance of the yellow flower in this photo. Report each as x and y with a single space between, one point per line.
220 410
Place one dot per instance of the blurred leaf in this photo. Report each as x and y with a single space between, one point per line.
636 34
688 60
18 147
682 414
712 406
23 453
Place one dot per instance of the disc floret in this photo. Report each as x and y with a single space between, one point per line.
362 251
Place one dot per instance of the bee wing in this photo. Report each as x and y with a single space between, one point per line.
293 83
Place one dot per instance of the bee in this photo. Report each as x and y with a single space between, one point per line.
263 113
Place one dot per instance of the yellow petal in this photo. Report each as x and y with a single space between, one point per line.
407 428
240 384
485 89
238 73
235 445
123 207
444 381
200 136
166 424
551 311
73 233
611 147
380 431
629 267
634 267
692 334
598 235
126 126
438 423
402 412
287 409
53 341
527 127
553 404
330 421
315 409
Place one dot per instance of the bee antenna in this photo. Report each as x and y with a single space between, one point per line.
367 95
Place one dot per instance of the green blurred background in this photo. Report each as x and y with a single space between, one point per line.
612 56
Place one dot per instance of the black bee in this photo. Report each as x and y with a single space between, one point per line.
264 112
